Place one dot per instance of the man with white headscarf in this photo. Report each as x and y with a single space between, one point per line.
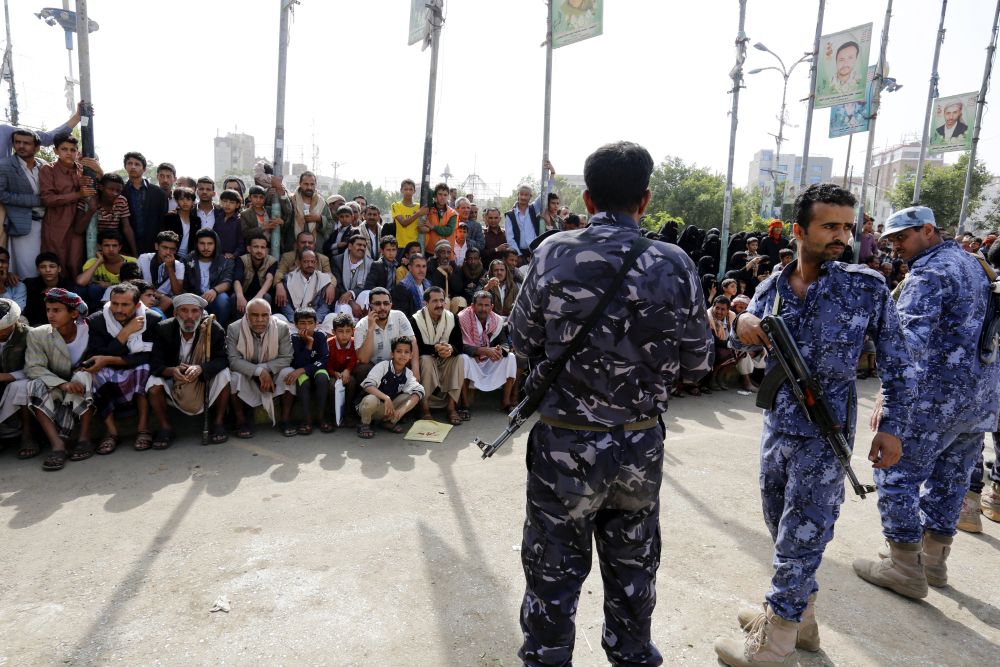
181 366
121 340
259 347
13 381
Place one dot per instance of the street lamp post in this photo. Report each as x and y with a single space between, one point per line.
785 74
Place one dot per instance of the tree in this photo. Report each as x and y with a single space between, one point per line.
377 196
696 195
941 190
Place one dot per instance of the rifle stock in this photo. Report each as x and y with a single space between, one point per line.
810 395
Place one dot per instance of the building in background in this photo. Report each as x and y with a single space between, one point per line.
763 174
888 166
234 154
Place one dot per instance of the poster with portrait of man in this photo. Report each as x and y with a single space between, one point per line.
576 20
951 124
419 21
854 116
843 61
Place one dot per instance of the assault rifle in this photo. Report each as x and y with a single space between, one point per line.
515 419
808 391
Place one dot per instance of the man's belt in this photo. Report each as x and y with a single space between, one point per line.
599 428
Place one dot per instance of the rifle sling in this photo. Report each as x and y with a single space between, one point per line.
638 247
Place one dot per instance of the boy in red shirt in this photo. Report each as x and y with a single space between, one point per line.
341 362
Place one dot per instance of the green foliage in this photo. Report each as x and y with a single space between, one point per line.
697 195
377 196
941 190
655 221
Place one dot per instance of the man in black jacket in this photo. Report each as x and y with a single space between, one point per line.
121 339
383 271
178 361
147 204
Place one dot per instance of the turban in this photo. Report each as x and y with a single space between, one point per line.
188 299
69 299
9 312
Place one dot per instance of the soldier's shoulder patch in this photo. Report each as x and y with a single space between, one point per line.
863 270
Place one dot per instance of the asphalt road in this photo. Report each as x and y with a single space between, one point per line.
332 551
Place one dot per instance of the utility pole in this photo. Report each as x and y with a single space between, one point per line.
8 66
279 118
932 92
544 183
812 95
87 117
990 51
436 17
279 114
876 99
847 164
736 74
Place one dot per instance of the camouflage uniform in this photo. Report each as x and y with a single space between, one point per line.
941 308
589 477
801 481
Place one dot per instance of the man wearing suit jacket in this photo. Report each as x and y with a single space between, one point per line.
351 270
178 359
19 194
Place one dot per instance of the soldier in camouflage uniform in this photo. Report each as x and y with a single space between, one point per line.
942 307
829 308
595 457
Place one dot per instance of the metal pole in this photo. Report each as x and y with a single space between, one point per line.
548 104
83 46
990 50
847 164
812 94
9 63
437 18
737 76
279 113
932 92
777 154
876 98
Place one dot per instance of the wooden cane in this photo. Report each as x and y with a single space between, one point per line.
207 335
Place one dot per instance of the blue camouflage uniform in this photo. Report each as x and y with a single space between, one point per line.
801 480
589 475
941 307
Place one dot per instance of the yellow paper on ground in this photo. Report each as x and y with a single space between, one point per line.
426 430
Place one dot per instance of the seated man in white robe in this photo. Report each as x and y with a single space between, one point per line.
489 363
306 288
14 414
259 347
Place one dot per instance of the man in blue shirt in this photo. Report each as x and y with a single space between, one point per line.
829 308
942 305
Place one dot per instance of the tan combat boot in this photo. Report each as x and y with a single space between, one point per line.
968 519
990 501
808 637
770 643
936 550
902 571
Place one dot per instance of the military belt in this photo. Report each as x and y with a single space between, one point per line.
599 428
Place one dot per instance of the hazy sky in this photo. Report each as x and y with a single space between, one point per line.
167 76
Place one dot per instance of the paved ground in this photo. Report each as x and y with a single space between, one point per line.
334 553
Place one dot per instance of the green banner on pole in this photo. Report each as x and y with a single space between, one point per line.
843 60
854 116
576 20
952 122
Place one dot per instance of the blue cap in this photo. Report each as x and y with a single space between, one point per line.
914 216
